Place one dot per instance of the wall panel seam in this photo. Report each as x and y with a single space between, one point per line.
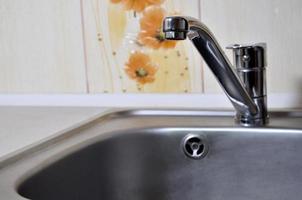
202 65
84 46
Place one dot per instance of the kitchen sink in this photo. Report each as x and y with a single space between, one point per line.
162 155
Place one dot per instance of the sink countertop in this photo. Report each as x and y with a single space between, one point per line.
21 127
24 127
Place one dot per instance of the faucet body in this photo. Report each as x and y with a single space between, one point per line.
250 111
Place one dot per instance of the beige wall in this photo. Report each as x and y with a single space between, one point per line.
41 48
46 47
276 22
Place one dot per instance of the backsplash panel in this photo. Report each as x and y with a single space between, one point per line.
126 51
101 46
276 22
41 48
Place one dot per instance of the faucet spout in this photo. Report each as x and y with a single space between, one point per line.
181 27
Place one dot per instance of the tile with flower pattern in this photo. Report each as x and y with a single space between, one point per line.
127 51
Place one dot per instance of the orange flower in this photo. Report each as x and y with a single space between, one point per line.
140 68
138 5
151 34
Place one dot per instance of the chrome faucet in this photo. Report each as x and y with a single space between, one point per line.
246 89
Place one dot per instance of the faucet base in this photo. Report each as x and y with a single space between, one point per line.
260 119
251 121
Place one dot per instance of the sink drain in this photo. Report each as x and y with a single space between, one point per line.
195 146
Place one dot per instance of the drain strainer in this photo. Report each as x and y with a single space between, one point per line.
195 146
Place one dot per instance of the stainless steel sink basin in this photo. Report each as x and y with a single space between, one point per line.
162 155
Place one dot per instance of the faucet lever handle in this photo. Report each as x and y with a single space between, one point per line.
249 56
250 63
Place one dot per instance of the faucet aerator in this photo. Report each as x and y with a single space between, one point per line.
175 28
